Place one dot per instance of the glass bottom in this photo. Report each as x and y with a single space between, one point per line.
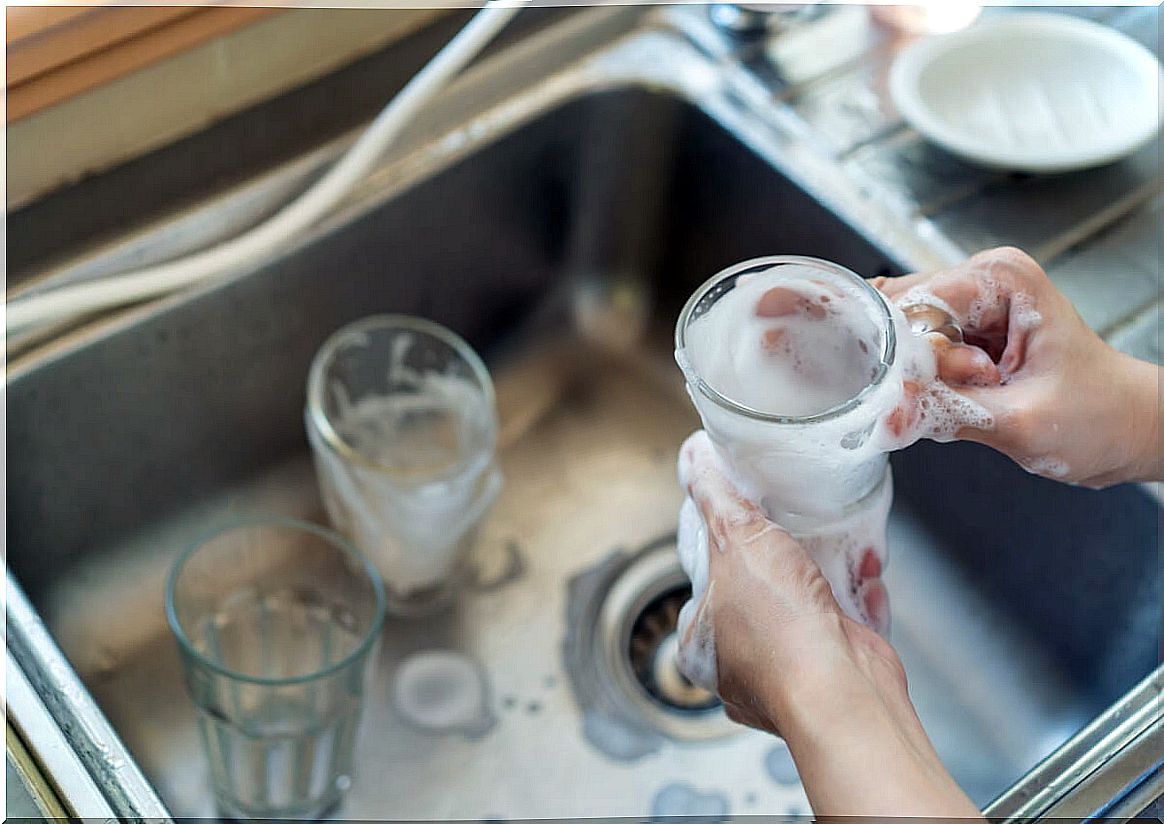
429 600
325 811
281 764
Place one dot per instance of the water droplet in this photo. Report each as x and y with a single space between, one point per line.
855 440
683 799
617 740
780 766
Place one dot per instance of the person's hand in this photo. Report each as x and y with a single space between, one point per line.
1065 404
767 599
790 662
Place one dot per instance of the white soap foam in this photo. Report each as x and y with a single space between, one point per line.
805 350
1046 466
1023 314
696 658
795 353
1022 317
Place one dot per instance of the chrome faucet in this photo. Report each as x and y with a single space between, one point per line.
754 19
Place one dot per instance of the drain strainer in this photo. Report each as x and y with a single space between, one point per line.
621 646
652 650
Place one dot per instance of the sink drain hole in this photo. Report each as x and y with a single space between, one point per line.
621 654
652 650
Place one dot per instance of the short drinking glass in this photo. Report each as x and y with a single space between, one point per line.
276 621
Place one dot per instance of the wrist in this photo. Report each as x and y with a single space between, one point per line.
835 673
845 713
830 689
1145 459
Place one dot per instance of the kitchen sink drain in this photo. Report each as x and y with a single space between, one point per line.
652 649
621 646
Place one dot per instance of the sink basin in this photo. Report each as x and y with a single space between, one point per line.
562 250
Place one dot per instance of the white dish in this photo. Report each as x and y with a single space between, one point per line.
1031 92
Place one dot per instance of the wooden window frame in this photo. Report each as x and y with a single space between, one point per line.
54 53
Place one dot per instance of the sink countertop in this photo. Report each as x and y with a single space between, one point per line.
1096 231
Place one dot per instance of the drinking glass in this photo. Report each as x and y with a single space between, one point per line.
824 477
403 427
780 455
276 620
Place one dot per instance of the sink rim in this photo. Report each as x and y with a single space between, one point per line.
732 101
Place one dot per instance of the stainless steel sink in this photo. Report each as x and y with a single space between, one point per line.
561 246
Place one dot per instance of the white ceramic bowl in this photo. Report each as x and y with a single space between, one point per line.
1031 92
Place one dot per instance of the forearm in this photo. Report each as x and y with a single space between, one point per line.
859 746
1146 461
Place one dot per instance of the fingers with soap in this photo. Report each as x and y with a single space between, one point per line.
963 364
991 296
696 657
720 504
871 593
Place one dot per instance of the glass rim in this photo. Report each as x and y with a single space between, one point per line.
329 535
318 417
886 359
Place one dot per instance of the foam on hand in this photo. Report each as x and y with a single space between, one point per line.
809 347
696 658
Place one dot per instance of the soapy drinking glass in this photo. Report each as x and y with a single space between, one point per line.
824 477
403 427
755 443
276 620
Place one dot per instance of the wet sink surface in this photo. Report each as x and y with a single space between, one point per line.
1021 608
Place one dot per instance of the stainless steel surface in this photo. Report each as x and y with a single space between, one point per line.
29 791
751 19
1106 769
586 180
54 752
617 626
1096 231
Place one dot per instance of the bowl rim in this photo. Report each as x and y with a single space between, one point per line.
905 91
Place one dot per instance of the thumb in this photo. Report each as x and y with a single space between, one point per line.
960 364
